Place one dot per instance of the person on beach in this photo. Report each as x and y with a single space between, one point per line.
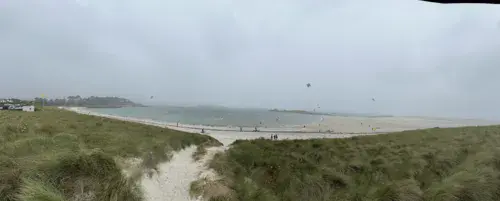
275 136
177 123
241 129
202 130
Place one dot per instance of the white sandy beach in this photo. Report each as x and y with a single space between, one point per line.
175 176
392 124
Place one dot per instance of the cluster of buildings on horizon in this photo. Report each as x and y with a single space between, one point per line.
12 104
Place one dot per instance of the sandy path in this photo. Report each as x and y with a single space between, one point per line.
173 181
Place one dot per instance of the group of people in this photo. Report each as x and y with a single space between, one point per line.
274 136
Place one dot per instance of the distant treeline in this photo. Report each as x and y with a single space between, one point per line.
92 102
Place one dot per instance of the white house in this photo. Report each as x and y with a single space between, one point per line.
29 108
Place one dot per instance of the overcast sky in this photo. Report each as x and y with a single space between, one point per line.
414 58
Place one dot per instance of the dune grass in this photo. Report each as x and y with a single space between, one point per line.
56 155
201 150
452 164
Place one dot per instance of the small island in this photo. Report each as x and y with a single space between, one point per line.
90 102
300 112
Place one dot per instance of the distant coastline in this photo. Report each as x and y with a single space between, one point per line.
112 106
89 102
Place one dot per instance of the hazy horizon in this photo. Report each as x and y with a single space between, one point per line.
414 58
340 111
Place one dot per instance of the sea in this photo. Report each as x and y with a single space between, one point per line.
213 116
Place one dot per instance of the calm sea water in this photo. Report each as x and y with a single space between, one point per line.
212 116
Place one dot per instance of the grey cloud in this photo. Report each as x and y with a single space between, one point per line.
415 58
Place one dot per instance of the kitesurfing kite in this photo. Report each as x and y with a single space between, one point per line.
464 1
151 97
308 85
373 99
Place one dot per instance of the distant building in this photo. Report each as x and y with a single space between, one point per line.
29 108
17 104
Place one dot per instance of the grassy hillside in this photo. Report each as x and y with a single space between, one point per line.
453 164
56 155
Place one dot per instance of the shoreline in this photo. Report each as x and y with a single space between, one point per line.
344 127
225 136
197 128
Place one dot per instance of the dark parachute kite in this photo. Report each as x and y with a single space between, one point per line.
151 97
308 85
373 99
464 1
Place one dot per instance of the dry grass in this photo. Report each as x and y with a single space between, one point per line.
201 151
211 189
56 155
452 164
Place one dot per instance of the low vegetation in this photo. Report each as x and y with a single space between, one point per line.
56 155
452 164
201 150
